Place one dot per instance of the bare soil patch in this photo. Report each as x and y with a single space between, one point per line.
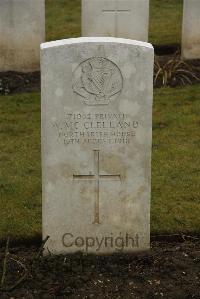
16 82
169 270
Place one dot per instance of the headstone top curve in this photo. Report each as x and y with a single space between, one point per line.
83 40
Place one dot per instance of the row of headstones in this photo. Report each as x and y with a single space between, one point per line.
96 144
22 27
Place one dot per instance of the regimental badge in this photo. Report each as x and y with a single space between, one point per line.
98 81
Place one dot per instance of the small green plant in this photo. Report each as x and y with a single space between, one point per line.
175 72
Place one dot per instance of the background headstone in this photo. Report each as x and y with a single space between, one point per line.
118 18
22 29
191 29
96 144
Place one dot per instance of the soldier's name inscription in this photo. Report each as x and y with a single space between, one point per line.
95 128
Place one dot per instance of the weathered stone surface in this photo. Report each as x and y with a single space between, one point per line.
118 18
191 29
96 144
22 29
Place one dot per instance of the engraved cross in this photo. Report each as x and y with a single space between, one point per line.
116 11
96 177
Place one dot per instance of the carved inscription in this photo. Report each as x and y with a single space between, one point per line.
97 81
94 129
96 177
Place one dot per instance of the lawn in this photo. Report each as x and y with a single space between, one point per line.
175 163
63 20
175 204
165 21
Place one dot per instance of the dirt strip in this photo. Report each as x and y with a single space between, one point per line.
169 270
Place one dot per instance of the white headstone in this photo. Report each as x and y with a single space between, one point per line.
118 18
191 29
22 30
96 144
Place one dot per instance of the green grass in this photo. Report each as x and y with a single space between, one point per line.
165 21
63 20
175 163
20 176
176 143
